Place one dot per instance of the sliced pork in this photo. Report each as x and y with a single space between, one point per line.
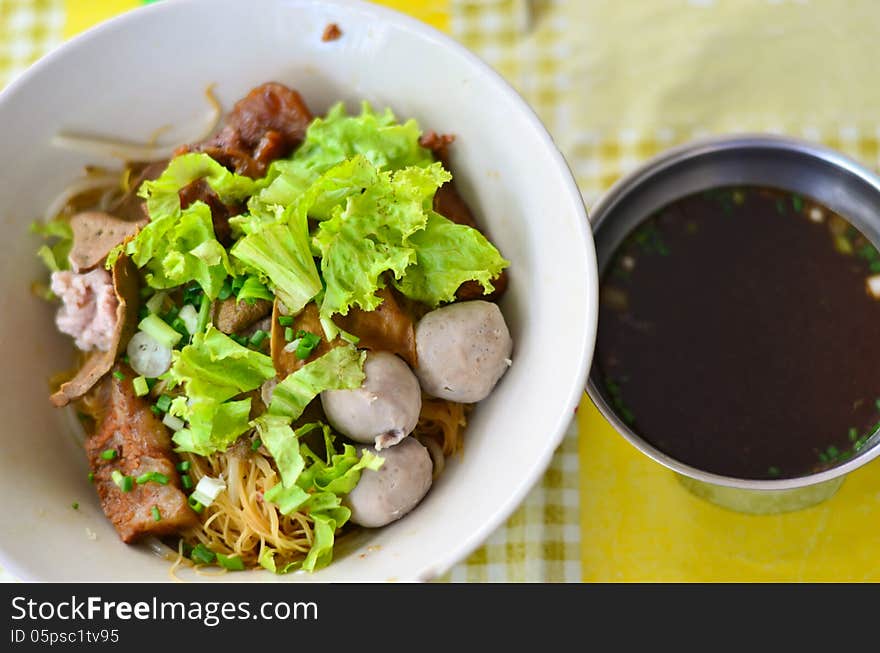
130 439
88 310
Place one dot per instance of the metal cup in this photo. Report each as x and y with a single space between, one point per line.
832 179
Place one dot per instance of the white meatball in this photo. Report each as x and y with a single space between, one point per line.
463 349
387 494
384 410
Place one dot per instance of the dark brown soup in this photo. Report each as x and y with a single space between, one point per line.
738 333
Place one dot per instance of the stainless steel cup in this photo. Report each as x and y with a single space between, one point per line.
834 180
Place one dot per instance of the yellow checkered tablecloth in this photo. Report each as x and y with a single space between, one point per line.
615 83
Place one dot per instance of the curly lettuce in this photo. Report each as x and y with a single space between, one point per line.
60 236
447 255
214 369
179 245
278 249
330 140
341 368
311 483
369 236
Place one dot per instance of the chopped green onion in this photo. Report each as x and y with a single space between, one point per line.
190 318
204 314
797 203
75 505
119 376
288 333
108 454
171 314
203 554
307 344
156 409
155 477
207 490
853 435
183 466
143 312
180 326
91 477
192 293
832 451
157 516
186 482
163 403
252 290
237 284
256 444
125 483
773 471
173 422
141 387
151 382
156 302
225 291
195 505
257 338
232 563
285 320
159 330
241 340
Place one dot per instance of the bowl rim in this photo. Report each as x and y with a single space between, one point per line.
691 151
556 431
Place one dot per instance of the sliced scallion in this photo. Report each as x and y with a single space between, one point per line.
173 422
202 554
141 387
152 477
163 403
232 563
160 330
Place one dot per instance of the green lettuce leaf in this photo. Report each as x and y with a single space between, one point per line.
213 426
60 234
280 252
447 255
312 484
369 236
179 246
213 369
177 249
339 369
337 137
161 193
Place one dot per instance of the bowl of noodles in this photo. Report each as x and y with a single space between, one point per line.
318 311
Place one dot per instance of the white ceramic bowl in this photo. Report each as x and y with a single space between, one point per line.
149 68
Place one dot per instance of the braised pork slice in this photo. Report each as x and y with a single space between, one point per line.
233 316
387 328
263 126
140 443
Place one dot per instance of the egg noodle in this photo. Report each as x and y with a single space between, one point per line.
239 522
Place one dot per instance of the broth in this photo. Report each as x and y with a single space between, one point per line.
738 333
